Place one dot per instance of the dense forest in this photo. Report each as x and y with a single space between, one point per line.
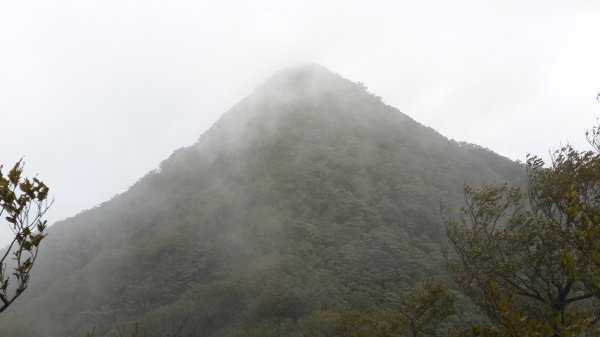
309 200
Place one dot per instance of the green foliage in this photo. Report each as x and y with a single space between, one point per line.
530 260
424 308
136 331
309 198
23 202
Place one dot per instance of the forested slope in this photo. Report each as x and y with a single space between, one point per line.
309 195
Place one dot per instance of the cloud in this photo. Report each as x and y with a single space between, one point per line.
97 93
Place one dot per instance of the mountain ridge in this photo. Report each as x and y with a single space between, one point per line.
309 195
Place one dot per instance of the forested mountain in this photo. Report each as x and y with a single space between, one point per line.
309 196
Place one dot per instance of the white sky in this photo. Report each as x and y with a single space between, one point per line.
96 93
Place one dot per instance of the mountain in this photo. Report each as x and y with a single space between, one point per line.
309 196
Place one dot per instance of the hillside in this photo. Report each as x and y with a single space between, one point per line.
309 195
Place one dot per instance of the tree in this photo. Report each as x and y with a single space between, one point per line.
531 259
423 309
23 203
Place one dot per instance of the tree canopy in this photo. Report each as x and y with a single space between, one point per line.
530 259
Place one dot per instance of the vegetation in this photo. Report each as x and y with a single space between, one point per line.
310 201
23 203
530 260
423 309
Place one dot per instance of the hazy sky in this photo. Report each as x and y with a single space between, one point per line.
96 93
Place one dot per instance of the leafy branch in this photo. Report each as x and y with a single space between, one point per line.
23 203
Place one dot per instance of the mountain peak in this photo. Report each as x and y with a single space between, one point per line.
306 78
302 72
309 196
302 97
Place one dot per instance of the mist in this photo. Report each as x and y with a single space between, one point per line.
91 89
309 195
96 95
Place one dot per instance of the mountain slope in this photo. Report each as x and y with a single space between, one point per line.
309 195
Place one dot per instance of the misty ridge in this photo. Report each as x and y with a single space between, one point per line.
308 205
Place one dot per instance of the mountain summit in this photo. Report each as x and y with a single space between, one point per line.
309 197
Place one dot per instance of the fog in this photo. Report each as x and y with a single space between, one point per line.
299 197
95 94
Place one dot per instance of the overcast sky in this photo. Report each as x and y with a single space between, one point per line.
96 93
